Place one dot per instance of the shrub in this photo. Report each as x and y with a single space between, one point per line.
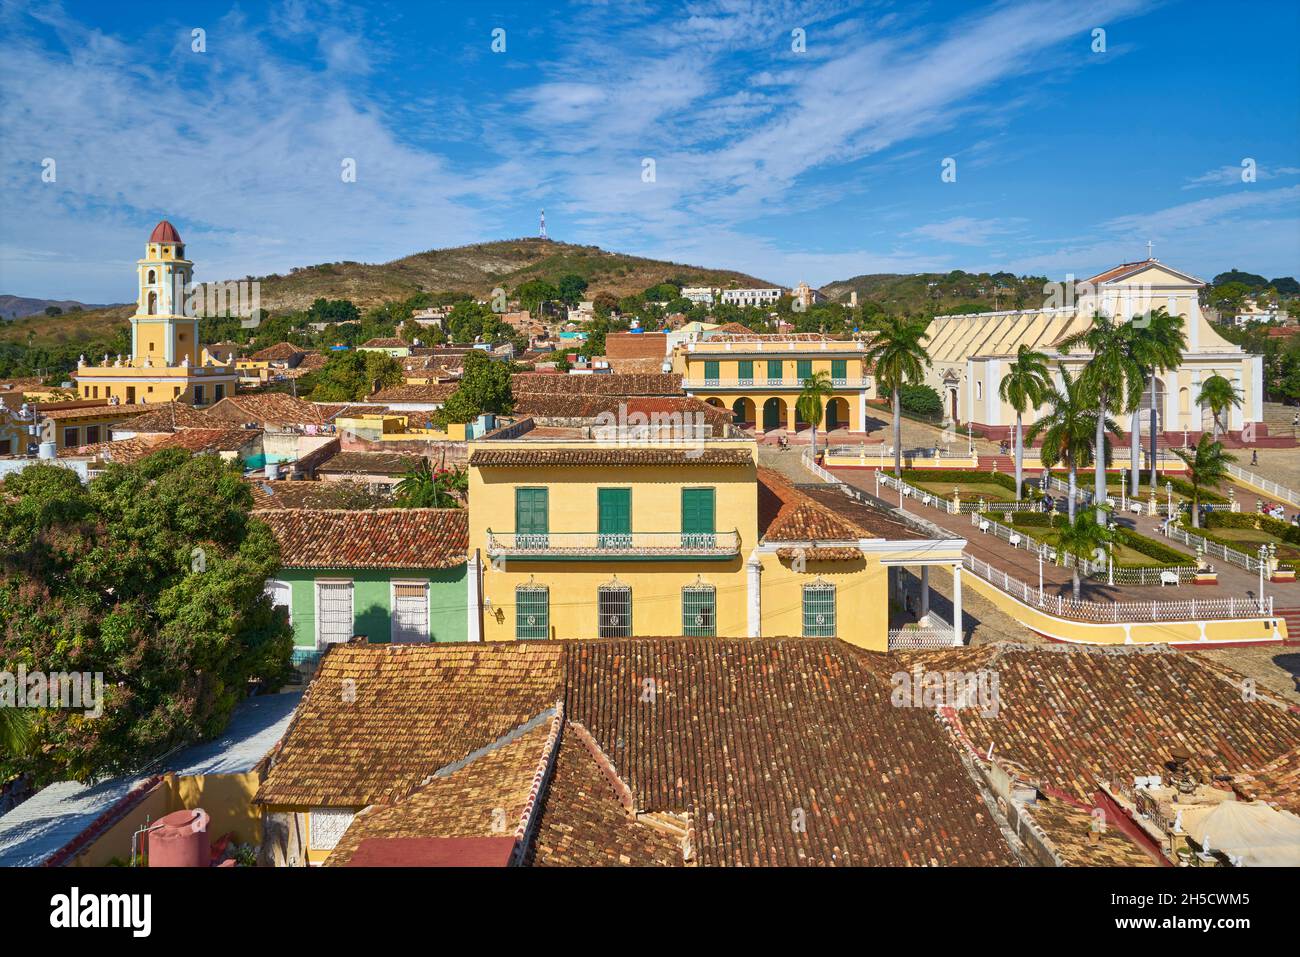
920 400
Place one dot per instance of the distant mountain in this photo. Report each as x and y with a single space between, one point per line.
937 293
477 270
16 307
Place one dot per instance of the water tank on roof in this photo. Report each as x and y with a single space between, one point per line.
181 840
46 450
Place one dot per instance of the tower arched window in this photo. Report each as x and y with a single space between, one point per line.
153 277
153 303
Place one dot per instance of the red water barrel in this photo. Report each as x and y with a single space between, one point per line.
180 840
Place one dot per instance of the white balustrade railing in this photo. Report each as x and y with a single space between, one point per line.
1191 609
1241 559
1280 492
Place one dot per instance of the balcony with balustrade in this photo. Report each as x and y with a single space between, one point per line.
607 546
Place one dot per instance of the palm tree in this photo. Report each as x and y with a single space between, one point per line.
424 488
1207 466
1157 345
1068 430
16 731
1023 388
1219 395
1112 377
1086 540
816 388
897 354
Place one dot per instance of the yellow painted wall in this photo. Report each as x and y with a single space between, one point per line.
861 599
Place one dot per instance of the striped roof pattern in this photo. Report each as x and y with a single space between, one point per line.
375 538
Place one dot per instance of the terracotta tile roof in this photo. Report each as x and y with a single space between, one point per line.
196 441
820 554
786 514
493 795
385 342
279 494
122 450
105 411
267 408
872 522
751 735
370 463
612 383
636 345
732 329
1076 716
168 417
438 392
332 410
559 405
379 538
1067 829
1116 271
1277 782
412 710
280 352
583 822
602 455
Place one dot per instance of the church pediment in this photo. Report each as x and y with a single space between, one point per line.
1151 273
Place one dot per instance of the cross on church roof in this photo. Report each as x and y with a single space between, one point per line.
1150 245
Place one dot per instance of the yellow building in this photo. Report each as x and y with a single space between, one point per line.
759 377
582 538
167 362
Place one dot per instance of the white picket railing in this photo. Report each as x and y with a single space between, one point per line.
1191 609
1280 492
919 639
1231 555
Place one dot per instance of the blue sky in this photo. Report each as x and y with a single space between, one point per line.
814 165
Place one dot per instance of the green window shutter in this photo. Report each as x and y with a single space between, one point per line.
615 517
839 368
774 369
819 611
805 369
711 370
531 517
745 370
532 612
699 611
697 517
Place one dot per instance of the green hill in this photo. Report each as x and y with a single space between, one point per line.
938 293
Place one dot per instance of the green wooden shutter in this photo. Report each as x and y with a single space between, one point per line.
697 517
615 519
531 517
745 371
711 371
774 370
804 369
839 369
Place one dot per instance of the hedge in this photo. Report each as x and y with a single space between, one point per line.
960 475
920 400
1274 526
1164 555
1184 488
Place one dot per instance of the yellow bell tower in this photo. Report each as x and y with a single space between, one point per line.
160 330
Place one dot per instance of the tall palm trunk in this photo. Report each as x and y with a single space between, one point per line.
1155 446
1196 507
1134 450
898 434
1074 482
1099 484
1020 456
1074 577
814 442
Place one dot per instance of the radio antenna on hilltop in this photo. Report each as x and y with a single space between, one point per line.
542 227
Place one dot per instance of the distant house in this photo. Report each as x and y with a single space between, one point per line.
390 575
397 348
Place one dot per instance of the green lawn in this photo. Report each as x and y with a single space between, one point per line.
1256 537
1123 554
970 491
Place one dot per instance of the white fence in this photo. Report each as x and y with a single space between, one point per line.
1214 549
920 639
1280 492
1191 609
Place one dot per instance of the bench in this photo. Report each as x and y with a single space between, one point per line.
1015 541
984 525
1168 578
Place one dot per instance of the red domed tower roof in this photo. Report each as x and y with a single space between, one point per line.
164 232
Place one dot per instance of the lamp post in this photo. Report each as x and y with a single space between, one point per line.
1110 555
1042 551
970 441
1123 488
1169 499
1263 560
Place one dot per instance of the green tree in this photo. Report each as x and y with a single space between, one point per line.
534 292
333 310
1156 343
484 387
572 287
422 487
351 376
817 388
1023 388
1207 467
897 355
1112 378
1068 431
1085 540
153 574
1218 395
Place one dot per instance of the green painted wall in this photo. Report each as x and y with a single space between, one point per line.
448 620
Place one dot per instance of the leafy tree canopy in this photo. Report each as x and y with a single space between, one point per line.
484 387
351 376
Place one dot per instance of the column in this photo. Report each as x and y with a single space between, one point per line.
474 608
754 574
791 414
861 424
956 605
925 590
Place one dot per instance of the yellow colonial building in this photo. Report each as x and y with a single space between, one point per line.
759 377
167 363
971 353
576 537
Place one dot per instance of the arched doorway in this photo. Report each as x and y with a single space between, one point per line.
1160 406
837 414
715 402
773 414
742 411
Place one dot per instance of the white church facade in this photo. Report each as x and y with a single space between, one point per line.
971 353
